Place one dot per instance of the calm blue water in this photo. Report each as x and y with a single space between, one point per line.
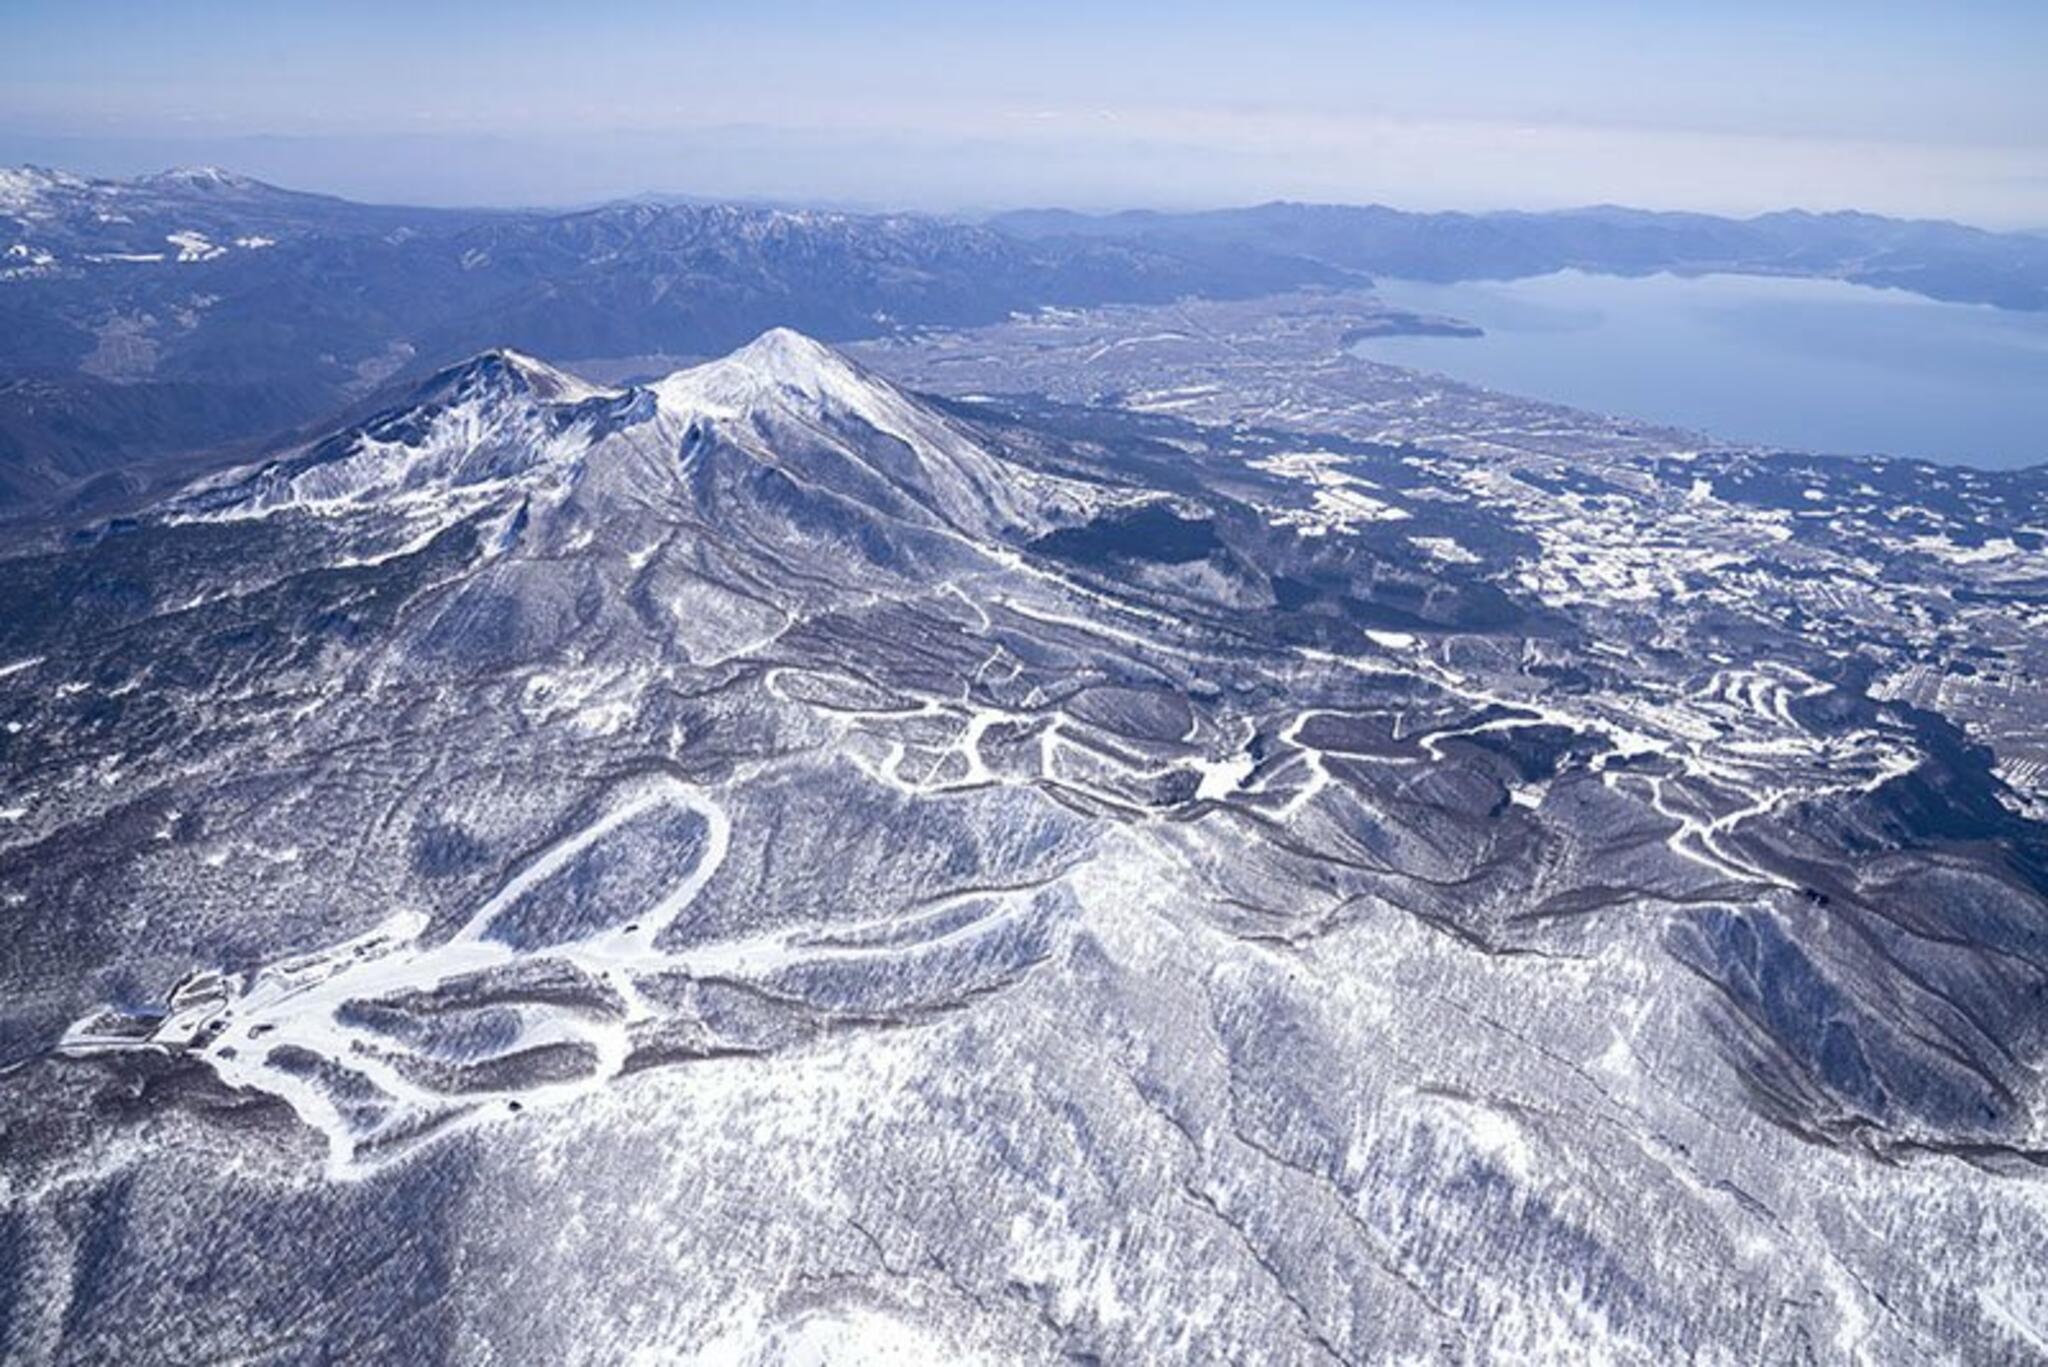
1810 364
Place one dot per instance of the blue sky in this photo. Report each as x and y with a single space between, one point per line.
1738 106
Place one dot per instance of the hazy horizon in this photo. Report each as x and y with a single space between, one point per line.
1911 110
127 162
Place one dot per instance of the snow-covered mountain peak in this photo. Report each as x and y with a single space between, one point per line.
789 353
201 178
736 438
779 366
502 368
790 401
494 419
22 187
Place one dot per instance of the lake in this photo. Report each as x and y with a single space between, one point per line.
1814 365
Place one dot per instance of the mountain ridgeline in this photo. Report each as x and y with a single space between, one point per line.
200 314
196 310
1940 260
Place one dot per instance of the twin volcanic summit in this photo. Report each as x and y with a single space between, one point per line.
767 866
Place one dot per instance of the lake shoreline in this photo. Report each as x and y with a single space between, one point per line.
1815 365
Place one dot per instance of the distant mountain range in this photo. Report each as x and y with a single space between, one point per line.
141 319
194 311
1939 260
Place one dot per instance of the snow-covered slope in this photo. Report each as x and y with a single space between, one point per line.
473 428
764 861
782 426
796 405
